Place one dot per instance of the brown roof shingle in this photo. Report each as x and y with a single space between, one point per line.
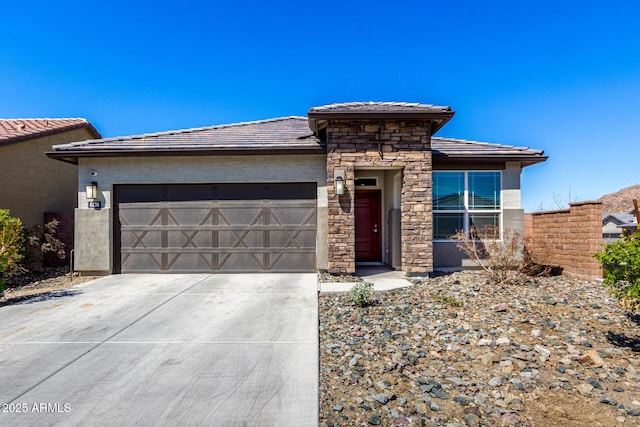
291 134
452 148
18 130
278 136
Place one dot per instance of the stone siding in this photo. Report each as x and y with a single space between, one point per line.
404 145
568 238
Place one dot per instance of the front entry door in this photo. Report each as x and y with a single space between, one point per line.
368 226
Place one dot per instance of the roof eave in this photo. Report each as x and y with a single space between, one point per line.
523 159
71 156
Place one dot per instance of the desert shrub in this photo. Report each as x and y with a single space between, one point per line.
537 259
621 269
500 258
41 241
11 243
361 293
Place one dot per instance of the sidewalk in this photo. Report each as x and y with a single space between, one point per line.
382 277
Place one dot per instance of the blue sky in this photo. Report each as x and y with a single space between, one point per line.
563 76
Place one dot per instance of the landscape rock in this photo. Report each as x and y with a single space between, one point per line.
591 358
534 364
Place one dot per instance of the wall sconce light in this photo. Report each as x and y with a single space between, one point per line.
339 181
92 190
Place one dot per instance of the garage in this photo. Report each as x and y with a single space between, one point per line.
204 228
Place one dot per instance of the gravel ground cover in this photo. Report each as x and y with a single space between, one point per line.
455 350
48 282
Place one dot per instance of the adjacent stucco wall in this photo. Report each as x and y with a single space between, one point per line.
32 183
96 228
447 256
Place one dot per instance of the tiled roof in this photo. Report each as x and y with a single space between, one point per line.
459 148
286 133
380 107
17 130
280 135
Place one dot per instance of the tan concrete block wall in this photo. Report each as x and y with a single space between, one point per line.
404 145
33 183
568 238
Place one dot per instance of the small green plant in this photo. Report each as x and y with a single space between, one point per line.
361 293
447 300
621 269
11 242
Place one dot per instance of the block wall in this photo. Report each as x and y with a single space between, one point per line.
568 238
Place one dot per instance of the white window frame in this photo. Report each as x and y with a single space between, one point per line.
467 211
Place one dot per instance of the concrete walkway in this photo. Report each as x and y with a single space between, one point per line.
382 278
230 350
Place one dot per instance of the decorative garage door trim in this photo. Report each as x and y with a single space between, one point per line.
255 234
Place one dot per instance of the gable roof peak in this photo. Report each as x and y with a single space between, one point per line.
382 106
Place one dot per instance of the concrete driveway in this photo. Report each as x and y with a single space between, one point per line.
164 350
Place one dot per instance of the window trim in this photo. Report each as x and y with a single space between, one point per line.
466 211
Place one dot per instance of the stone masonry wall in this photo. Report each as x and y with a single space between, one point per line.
568 238
404 145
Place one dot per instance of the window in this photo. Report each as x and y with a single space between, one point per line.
463 201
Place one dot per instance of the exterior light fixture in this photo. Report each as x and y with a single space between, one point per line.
92 190
339 186
339 181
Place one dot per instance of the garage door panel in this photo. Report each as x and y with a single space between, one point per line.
192 215
141 239
228 227
291 259
189 239
143 262
294 238
180 262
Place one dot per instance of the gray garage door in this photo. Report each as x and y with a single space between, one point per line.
215 228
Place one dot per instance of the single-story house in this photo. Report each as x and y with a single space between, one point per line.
617 224
350 183
32 184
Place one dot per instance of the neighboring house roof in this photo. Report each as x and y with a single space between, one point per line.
282 135
460 149
437 114
18 130
619 218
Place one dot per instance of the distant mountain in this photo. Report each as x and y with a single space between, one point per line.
620 201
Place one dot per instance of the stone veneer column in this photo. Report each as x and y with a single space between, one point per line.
405 145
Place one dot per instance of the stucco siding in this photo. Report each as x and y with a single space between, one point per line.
33 183
511 186
191 170
93 241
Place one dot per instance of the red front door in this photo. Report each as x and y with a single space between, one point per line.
368 226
